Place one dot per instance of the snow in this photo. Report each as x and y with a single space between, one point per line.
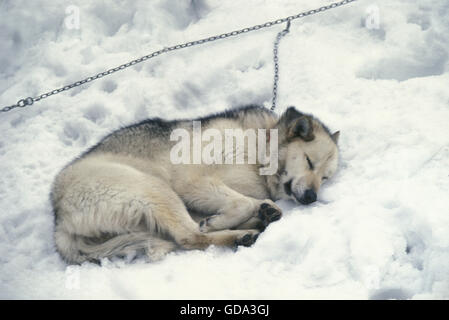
380 229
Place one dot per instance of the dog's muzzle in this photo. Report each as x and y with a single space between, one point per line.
308 197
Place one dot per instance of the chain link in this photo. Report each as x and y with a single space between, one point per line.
279 36
30 100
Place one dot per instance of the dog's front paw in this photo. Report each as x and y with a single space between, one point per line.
247 240
269 212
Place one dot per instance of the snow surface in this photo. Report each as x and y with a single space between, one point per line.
381 227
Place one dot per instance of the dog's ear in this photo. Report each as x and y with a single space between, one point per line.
301 127
291 113
296 125
336 136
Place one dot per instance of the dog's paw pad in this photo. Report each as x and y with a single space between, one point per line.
204 225
207 224
268 213
247 240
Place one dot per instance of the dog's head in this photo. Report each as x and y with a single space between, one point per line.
308 155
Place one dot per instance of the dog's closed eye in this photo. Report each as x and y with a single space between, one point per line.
311 167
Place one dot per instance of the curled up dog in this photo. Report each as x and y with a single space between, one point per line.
145 189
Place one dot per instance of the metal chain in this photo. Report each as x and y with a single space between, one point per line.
276 64
30 101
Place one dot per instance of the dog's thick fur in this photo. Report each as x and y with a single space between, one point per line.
124 195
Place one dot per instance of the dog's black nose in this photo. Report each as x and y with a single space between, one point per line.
309 196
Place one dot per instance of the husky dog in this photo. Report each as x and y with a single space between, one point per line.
124 195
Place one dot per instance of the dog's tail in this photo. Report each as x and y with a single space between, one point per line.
76 249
